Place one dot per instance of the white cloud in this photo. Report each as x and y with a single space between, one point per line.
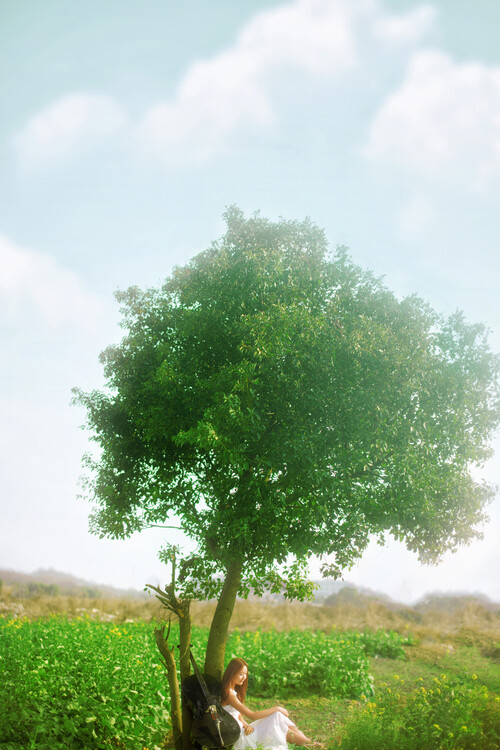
219 94
216 96
34 283
406 29
235 88
443 122
67 124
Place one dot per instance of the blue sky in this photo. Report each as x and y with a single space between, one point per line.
128 127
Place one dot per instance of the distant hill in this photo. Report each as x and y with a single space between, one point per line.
453 602
54 582
327 587
330 593
350 594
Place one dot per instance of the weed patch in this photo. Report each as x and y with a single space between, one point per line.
450 714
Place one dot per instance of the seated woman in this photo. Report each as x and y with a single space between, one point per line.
271 728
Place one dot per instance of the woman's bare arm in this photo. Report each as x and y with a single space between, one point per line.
233 700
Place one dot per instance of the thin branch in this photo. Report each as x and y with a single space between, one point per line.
160 526
174 549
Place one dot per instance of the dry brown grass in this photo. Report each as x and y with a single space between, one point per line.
436 631
117 609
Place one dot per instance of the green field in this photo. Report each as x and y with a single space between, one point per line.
80 682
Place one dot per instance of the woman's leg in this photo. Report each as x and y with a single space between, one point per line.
296 737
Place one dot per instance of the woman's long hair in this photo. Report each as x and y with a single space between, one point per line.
233 668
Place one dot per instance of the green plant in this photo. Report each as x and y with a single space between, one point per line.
78 683
386 643
301 662
86 683
73 682
449 714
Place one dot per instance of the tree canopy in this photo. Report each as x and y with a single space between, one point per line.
281 402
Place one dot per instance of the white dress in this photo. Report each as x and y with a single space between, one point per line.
269 732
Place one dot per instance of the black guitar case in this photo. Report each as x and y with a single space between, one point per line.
213 726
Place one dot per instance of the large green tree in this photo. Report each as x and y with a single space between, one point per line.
280 402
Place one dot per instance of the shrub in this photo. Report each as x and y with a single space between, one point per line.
449 714
78 683
302 663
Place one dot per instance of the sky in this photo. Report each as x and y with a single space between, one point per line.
128 127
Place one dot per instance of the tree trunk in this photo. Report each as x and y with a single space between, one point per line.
185 667
184 642
173 683
216 646
181 608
